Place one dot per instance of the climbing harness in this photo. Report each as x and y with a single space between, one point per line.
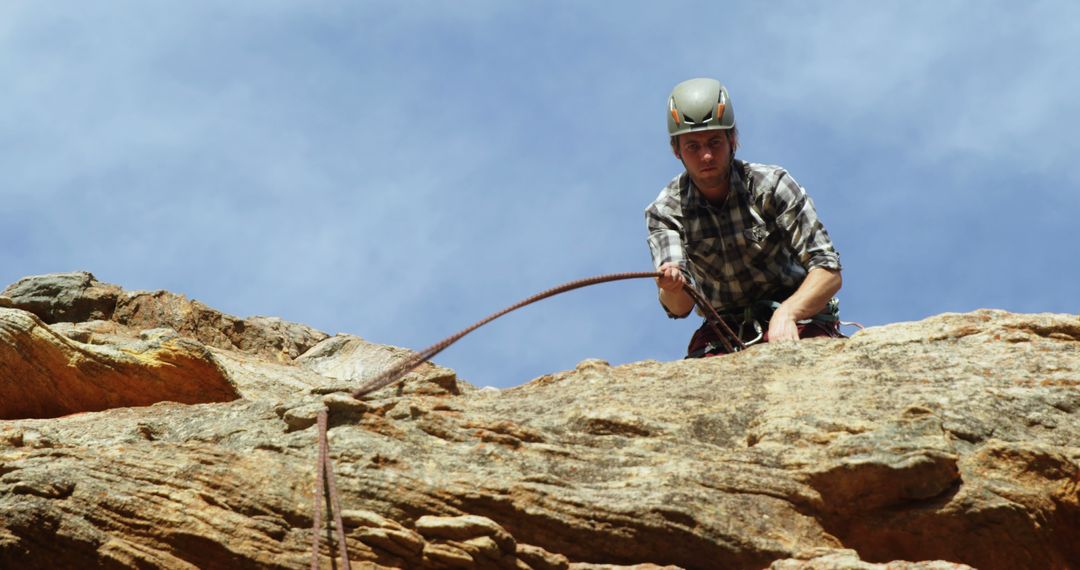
752 322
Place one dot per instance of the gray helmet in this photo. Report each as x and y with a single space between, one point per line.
699 105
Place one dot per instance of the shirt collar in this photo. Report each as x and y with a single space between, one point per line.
693 198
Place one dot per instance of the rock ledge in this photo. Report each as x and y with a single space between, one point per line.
940 444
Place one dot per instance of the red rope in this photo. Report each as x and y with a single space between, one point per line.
323 488
324 479
393 373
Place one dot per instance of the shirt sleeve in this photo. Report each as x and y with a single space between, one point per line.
798 218
665 245
665 238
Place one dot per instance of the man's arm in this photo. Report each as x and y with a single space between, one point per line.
666 247
810 299
672 290
797 217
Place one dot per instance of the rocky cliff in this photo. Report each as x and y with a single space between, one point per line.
145 430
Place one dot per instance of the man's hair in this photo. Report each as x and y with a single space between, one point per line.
733 138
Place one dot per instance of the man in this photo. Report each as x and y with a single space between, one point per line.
745 235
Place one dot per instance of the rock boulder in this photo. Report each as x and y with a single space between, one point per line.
63 297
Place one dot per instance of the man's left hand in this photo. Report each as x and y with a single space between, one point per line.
782 326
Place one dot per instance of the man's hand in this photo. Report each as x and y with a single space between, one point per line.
672 280
782 326
811 297
673 290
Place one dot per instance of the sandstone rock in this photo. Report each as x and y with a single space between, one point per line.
645 566
846 559
78 297
352 360
402 542
264 336
94 332
64 297
259 378
539 559
46 375
302 417
466 527
341 406
447 556
943 443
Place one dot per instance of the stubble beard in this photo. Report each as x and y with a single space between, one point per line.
716 182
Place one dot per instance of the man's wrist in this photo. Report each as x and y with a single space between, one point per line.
784 311
676 302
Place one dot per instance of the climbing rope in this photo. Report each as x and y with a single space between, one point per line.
324 480
394 373
325 488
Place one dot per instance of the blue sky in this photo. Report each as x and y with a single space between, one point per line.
400 170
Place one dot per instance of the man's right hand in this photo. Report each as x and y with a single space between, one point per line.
673 293
672 279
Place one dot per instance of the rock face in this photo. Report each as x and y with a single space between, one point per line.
60 297
953 442
79 297
43 374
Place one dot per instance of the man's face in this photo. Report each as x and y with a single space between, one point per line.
707 157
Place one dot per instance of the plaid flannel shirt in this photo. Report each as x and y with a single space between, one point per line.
758 245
